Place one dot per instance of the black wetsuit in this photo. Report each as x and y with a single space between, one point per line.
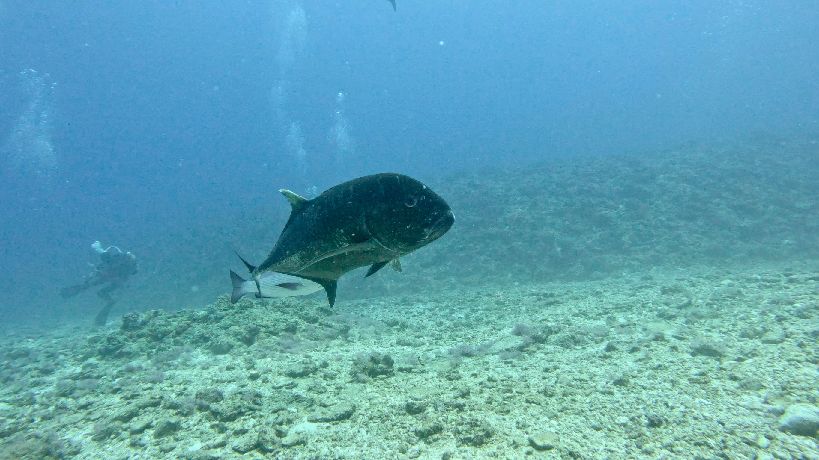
114 269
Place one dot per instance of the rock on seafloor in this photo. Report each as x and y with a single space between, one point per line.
800 419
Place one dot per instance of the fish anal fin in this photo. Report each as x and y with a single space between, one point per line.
375 267
329 286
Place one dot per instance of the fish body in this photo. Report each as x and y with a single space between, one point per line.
271 285
372 220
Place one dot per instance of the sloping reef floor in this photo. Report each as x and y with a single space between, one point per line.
694 363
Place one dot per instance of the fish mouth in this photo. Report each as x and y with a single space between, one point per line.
442 225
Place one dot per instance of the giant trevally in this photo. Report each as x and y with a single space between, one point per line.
372 220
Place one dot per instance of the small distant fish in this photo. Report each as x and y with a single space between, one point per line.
372 220
270 285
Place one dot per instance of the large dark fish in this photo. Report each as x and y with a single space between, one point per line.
371 220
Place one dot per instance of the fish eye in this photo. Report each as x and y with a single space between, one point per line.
411 202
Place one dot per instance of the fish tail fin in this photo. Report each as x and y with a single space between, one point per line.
238 290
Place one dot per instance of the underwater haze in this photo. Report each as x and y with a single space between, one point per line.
633 271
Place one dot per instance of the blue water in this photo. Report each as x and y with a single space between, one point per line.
166 127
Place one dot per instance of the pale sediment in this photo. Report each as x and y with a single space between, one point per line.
693 363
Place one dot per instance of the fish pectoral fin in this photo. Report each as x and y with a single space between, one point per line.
355 247
290 286
395 264
375 267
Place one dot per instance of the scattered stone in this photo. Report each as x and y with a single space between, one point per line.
184 406
654 420
244 443
371 365
474 432
228 411
127 414
415 407
750 383
210 395
220 347
545 440
139 426
65 388
201 455
334 413
762 442
800 419
701 347
105 430
166 427
132 322
294 439
620 380
247 335
300 370
773 337
428 429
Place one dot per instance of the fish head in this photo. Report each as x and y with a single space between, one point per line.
406 214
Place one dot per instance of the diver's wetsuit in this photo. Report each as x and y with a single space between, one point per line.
114 269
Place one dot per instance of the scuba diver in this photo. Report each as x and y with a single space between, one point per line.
113 270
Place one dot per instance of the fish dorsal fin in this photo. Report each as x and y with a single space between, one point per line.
297 202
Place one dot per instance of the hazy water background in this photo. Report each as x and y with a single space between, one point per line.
166 127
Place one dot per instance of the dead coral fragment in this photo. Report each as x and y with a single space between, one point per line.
371 365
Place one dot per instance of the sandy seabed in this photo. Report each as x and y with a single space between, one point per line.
695 363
